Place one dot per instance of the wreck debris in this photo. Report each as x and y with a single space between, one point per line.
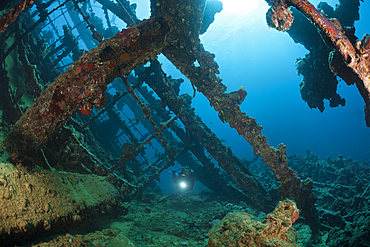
197 135
212 7
145 180
116 97
205 79
275 158
54 101
200 132
279 18
71 151
68 44
96 35
355 56
319 82
12 111
84 33
202 165
29 73
13 13
130 151
122 10
147 115
43 13
84 83
242 229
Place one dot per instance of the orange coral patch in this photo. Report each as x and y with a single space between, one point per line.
295 216
124 57
78 70
85 112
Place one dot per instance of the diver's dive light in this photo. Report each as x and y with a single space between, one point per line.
185 180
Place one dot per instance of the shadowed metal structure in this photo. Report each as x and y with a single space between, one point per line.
63 118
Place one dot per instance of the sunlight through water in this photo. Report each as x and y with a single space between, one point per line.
240 7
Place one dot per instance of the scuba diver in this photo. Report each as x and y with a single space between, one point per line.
184 180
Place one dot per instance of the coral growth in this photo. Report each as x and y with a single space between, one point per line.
242 229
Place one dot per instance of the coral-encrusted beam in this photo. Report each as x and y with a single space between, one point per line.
133 153
186 52
84 83
13 13
226 104
357 58
198 131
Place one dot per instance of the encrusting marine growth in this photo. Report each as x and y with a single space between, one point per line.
84 83
242 229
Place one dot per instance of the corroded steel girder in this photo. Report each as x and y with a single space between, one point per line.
84 83
201 133
202 165
183 50
13 13
124 11
355 57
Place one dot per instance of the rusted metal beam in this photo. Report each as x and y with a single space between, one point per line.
13 13
84 83
202 134
183 50
355 56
